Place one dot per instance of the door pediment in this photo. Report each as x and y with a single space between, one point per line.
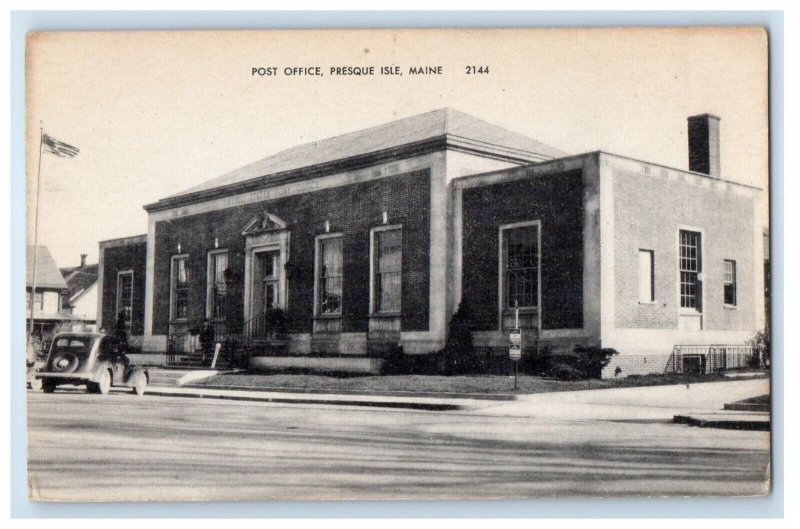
264 223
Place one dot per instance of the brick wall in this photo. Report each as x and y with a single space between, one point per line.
556 201
352 210
117 259
648 210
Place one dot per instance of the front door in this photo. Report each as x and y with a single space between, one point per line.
265 281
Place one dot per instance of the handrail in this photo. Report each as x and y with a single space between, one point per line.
708 358
263 326
183 337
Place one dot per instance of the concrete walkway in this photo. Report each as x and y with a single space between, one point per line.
654 403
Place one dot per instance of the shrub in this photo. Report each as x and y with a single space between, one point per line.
760 344
459 336
537 361
458 356
450 363
567 372
591 360
396 362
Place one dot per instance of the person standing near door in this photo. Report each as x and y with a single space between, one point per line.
121 331
206 340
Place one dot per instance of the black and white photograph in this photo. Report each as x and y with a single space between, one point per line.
397 264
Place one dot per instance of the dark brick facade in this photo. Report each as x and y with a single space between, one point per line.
118 259
557 201
351 210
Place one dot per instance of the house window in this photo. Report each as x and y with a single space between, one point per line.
125 295
180 287
646 276
38 300
329 276
387 265
215 292
690 267
520 266
729 282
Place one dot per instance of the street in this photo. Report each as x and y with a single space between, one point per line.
122 447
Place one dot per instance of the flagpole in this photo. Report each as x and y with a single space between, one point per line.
36 235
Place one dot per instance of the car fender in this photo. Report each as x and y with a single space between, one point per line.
134 370
103 366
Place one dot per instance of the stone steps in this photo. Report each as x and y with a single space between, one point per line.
170 378
195 360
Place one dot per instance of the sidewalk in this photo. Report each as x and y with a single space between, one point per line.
653 403
642 404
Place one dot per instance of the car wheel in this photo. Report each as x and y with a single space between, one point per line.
48 386
103 383
139 383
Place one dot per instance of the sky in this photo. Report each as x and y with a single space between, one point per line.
154 113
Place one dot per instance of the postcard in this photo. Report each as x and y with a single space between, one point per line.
397 264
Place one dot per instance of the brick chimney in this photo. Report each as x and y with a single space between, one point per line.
83 259
704 144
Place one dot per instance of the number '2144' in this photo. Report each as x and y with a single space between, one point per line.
472 70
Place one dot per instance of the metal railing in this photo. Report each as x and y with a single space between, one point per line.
269 326
713 358
184 338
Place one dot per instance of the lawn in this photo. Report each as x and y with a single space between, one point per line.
442 384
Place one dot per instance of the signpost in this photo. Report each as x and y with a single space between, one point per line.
515 345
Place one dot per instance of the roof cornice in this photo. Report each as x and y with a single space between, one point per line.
409 150
123 241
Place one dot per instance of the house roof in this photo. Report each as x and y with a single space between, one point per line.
444 122
79 278
47 273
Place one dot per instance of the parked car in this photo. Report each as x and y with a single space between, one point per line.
97 361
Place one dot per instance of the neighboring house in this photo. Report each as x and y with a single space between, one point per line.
47 299
372 239
81 301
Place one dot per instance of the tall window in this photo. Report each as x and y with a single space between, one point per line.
125 295
646 274
690 267
729 281
38 301
217 264
387 262
180 287
329 276
521 267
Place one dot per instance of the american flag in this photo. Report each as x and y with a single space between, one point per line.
59 148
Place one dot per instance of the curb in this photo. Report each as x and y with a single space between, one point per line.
425 406
315 391
745 406
761 426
